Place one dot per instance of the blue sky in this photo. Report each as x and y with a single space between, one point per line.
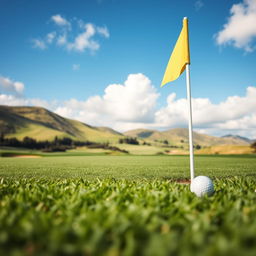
105 41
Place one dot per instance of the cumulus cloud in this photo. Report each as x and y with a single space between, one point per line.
240 30
131 102
8 85
13 100
60 21
83 39
103 31
43 43
62 39
236 113
50 37
38 43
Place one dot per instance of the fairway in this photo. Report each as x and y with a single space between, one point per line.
126 205
127 167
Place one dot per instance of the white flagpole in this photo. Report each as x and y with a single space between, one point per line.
190 127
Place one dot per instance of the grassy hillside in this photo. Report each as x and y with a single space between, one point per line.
38 132
42 124
226 150
140 133
179 136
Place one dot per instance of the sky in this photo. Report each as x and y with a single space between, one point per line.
102 62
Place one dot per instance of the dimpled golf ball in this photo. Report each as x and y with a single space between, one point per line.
202 185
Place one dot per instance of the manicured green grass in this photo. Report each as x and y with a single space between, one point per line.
126 205
142 149
75 165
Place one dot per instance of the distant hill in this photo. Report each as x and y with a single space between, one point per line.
140 133
179 136
42 124
237 137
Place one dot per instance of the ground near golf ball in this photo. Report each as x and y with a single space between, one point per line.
202 185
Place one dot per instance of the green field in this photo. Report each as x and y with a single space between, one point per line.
126 205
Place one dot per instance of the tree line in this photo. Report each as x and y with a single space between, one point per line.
129 140
56 145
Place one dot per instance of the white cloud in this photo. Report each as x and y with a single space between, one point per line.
130 103
235 114
8 85
62 39
134 101
83 39
60 21
64 111
50 37
103 31
38 43
13 100
42 43
75 67
198 5
240 30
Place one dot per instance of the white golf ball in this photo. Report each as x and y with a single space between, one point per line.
202 185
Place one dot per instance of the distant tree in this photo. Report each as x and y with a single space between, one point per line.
133 141
146 143
58 144
28 142
1 137
66 141
12 142
197 147
253 146
128 140
56 141
166 142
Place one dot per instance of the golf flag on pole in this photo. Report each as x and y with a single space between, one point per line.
179 57
178 62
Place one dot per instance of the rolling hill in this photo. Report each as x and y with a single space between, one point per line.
42 124
179 136
238 137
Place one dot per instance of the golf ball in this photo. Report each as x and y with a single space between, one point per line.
202 185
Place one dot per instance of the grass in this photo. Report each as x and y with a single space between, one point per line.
125 167
38 132
142 149
94 134
226 149
126 205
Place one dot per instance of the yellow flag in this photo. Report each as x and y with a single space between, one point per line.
180 56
